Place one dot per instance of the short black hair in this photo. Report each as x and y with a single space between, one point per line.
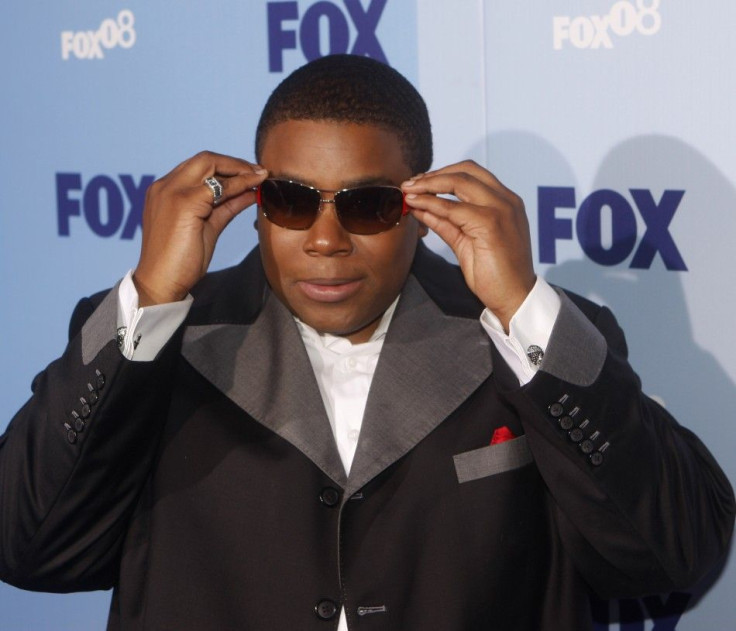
353 89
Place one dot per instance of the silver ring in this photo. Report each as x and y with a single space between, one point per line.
216 187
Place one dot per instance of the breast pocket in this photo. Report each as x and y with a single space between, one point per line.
492 460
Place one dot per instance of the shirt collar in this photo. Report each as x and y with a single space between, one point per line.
341 344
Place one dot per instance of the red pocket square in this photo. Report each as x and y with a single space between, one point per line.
501 435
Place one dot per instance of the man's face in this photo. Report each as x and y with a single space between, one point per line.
335 281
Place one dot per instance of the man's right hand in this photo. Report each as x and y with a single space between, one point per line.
181 224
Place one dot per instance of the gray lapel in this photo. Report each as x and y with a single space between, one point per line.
264 368
429 365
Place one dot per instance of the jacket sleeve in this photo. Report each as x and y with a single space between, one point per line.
74 459
640 504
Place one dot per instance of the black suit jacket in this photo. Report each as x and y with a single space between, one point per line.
205 486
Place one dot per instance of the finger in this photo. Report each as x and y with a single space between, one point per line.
232 187
208 163
452 220
457 212
443 228
238 184
224 213
467 171
464 186
467 166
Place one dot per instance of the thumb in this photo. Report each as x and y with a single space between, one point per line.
223 214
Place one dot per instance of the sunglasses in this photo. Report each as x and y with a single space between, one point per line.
361 210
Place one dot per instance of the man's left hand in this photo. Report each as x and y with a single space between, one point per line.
486 227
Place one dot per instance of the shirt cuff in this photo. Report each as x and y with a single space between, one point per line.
530 326
144 331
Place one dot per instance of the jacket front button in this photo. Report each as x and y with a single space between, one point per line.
92 394
329 496
587 446
77 423
325 609
556 410
85 411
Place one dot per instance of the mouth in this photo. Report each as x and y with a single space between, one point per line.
329 289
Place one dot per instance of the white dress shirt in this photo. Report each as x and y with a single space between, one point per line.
344 372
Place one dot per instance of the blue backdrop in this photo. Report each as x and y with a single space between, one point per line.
610 118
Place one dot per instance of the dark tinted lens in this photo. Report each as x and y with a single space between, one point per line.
288 204
369 209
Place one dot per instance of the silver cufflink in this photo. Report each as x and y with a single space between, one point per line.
535 354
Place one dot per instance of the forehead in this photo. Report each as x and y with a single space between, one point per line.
333 155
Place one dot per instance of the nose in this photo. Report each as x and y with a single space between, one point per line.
326 236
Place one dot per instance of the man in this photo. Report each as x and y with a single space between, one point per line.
345 431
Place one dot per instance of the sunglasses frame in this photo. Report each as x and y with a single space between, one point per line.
335 194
